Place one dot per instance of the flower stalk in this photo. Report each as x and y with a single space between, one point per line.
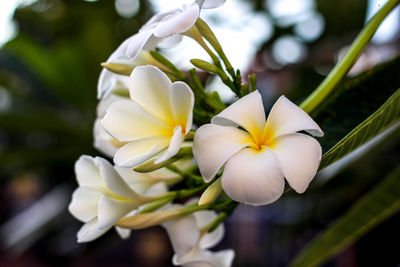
355 50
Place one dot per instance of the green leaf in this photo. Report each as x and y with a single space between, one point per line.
375 207
384 117
355 100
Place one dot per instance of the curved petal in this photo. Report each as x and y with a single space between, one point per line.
174 145
178 23
104 142
83 205
299 156
208 4
112 210
287 118
106 102
247 112
204 218
136 43
122 232
205 258
137 152
88 175
170 41
213 145
126 121
105 83
183 234
182 102
157 18
89 231
253 177
151 89
114 181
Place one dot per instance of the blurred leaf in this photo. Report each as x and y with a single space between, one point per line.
355 100
384 117
371 210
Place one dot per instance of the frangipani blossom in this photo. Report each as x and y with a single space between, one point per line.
103 197
191 241
155 120
162 30
258 158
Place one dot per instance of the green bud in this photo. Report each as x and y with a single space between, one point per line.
211 193
118 68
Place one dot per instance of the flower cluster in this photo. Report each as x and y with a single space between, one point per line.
146 122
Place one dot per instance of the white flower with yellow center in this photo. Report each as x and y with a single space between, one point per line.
104 197
257 156
155 120
191 242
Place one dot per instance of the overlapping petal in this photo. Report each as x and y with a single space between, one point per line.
137 152
299 156
247 112
214 144
179 23
89 231
83 205
127 121
206 258
286 118
253 177
155 100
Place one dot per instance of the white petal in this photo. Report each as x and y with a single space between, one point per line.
178 23
83 205
113 180
107 100
157 18
182 101
205 258
88 175
105 83
286 118
151 89
156 189
122 232
126 121
204 218
212 3
137 152
247 112
89 231
299 156
174 145
183 234
136 180
112 210
136 43
103 141
213 145
253 177
170 41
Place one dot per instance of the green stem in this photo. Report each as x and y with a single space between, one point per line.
340 70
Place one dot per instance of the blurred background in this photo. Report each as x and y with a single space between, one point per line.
50 58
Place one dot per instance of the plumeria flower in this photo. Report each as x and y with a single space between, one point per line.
191 241
154 122
162 30
104 197
257 156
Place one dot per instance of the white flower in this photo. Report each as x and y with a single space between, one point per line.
191 241
161 30
103 198
155 120
258 158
